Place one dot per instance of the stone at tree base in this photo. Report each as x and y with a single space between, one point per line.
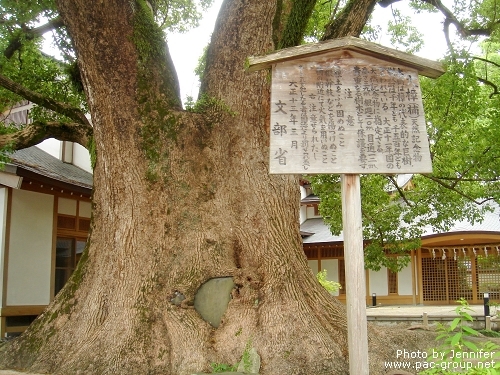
212 298
253 363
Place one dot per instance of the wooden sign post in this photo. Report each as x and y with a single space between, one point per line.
357 335
351 107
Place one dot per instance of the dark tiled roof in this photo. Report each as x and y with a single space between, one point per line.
320 232
311 198
37 161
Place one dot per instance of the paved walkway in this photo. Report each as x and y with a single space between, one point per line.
417 311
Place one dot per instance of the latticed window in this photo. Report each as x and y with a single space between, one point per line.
66 222
467 272
68 253
488 275
434 279
72 231
392 278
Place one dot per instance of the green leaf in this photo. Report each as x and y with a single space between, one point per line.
441 336
456 339
455 323
470 345
470 331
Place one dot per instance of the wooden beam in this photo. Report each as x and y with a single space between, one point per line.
22 310
425 67
16 329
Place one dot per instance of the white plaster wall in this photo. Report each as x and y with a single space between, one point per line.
303 214
378 282
303 192
310 213
30 249
303 209
85 209
66 206
404 281
313 264
3 221
51 146
81 157
332 270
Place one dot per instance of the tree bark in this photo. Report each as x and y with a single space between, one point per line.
179 199
351 20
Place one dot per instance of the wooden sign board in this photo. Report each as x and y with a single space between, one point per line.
351 107
346 112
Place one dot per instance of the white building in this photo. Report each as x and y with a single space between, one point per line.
464 262
45 208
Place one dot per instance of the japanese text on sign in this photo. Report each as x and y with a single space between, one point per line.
347 116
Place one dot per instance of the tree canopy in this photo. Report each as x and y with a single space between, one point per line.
461 110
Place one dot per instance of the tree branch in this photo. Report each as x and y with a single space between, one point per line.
78 131
39 131
386 3
486 61
468 179
71 112
491 84
400 191
351 20
30 34
296 23
451 19
453 188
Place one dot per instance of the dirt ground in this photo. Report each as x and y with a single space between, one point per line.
381 312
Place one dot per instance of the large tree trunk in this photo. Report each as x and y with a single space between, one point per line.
180 199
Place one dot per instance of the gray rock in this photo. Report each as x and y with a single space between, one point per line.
212 298
250 365
177 298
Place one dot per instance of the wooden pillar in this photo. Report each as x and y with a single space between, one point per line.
419 277
368 297
413 280
320 267
355 275
3 326
447 281
475 286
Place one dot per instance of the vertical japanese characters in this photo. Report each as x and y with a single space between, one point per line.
347 116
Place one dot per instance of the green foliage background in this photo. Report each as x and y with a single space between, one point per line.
462 114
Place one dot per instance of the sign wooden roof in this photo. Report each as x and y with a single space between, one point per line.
426 67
